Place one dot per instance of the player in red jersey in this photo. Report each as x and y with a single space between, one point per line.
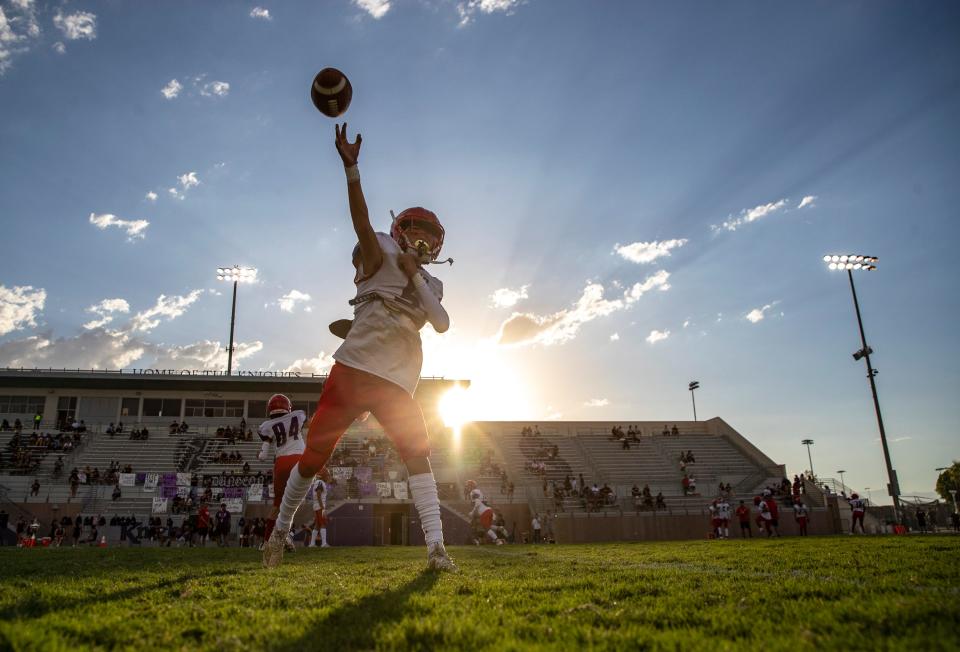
773 523
743 515
378 365
281 436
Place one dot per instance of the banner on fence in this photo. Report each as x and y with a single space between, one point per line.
169 479
384 489
363 473
127 479
341 472
255 493
223 480
183 479
234 505
400 490
234 492
159 506
168 492
150 482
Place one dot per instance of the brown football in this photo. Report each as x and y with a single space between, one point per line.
331 92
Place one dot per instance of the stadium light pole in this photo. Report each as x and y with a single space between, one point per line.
693 387
851 263
808 443
237 275
843 486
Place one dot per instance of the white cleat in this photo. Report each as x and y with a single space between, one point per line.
438 559
274 547
325 545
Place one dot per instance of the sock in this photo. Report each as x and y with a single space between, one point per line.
492 535
423 488
323 536
313 538
293 495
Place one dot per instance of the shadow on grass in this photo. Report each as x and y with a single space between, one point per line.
33 605
353 625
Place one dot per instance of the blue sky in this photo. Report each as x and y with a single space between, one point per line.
621 184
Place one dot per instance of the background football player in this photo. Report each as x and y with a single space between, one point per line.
318 490
283 440
378 365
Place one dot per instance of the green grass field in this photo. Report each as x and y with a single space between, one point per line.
817 593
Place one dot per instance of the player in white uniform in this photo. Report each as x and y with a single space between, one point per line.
283 441
858 507
318 490
482 514
378 365
723 514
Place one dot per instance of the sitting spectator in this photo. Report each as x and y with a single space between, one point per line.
661 503
35 487
119 428
675 431
174 427
666 431
690 457
116 492
183 426
110 429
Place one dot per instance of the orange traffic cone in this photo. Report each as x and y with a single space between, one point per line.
103 542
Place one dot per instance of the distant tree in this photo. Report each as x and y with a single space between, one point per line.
949 479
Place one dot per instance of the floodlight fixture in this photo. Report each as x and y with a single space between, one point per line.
692 386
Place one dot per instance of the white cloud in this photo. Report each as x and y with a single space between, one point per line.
656 336
597 402
807 201
59 47
134 228
289 301
747 216
151 196
188 180
261 13
506 297
104 310
615 337
172 89
527 328
165 307
686 323
757 314
647 252
176 194
468 8
80 25
206 354
218 88
376 8
656 280
318 365
16 31
19 306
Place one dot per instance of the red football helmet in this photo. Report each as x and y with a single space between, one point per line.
279 404
854 496
470 485
426 220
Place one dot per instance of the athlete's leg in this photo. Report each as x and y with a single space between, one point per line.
402 420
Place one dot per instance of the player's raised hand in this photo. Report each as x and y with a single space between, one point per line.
349 152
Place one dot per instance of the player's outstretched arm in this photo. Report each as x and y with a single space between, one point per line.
370 251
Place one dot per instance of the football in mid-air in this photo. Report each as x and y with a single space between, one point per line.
331 92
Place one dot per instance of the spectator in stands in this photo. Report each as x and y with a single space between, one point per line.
666 430
5 426
692 484
184 427
685 483
535 526
119 428
675 431
35 487
17 426
743 515
174 427
116 492
37 418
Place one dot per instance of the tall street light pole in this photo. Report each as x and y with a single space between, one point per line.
694 386
237 275
851 263
843 486
808 443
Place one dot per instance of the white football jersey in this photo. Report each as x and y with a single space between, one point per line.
723 510
385 337
857 504
319 492
284 432
800 509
